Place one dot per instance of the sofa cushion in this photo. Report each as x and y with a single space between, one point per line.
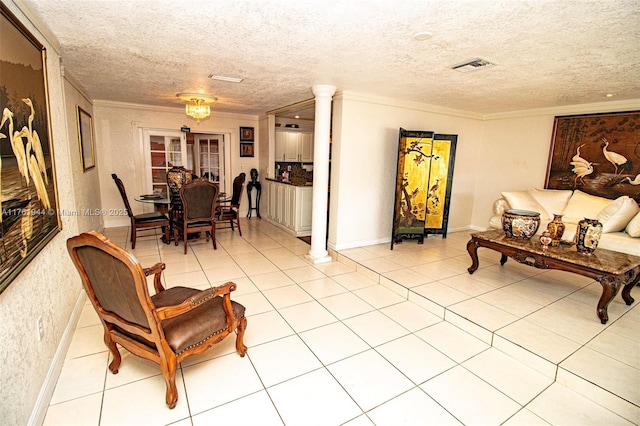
583 205
633 228
616 216
621 242
553 200
522 200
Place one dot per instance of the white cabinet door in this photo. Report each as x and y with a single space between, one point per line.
304 204
306 147
292 141
281 144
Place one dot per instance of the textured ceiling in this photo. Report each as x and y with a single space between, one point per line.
547 53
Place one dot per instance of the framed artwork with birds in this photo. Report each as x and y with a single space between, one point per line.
29 198
423 184
596 153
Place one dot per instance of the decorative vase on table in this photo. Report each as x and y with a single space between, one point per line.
520 224
556 230
588 235
545 240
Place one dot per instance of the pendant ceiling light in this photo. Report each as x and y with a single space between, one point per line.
197 104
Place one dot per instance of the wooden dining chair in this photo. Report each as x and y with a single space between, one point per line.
199 199
164 328
144 220
229 211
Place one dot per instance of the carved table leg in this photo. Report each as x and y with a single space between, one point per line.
610 287
632 279
472 248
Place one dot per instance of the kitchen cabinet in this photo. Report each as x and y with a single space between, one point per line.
294 146
290 207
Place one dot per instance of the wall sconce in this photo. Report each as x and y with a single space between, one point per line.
197 104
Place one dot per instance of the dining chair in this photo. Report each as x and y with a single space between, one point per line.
144 220
164 328
199 199
230 210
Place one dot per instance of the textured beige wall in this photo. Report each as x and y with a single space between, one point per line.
47 287
86 185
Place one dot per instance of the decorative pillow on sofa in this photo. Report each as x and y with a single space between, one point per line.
522 200
553 200
616 216
583 205
633 228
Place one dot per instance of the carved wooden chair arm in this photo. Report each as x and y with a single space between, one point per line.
194 301
156 270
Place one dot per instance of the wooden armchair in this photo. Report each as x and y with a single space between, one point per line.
164 328
230 210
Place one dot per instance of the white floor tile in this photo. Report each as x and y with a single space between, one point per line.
86 411
81 377
451 341
254 409
282 360
283 297
411 408
375 328
470 399
333 342
370 379
306 316
313 399
345 305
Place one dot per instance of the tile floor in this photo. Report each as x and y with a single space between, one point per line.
378 337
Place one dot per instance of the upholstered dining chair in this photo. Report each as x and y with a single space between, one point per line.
164 328
199 199
230 210
144 220
176 177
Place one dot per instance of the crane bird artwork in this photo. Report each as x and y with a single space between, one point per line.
581 167
635 181
613 157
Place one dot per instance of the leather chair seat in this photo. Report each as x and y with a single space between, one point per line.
197 325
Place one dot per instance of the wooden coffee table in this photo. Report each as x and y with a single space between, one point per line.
611 269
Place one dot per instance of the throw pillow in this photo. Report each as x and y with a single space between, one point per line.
616 216
583 205
522 200
633 228
553 200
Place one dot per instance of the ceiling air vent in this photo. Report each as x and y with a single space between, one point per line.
472 65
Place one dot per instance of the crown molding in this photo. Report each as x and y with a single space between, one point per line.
360 97
598 107
39 25
157 108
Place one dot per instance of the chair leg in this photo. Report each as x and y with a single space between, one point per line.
238 222
240 347
169 373
133 237
213 235
117 359
186 239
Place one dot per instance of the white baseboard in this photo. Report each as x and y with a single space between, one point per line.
46 391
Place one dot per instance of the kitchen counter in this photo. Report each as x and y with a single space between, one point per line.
289 182
289 206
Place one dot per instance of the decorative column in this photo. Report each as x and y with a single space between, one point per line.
321 136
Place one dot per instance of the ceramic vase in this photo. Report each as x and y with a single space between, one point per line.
521 224
545 240
556 229
588 235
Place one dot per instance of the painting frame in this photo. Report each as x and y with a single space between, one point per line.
597 153
246 149
247 134
29 195
85 136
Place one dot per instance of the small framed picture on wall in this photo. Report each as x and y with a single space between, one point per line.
246 134
246 149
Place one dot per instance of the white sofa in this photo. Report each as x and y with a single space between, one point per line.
620 217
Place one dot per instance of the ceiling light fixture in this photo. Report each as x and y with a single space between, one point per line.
610 95
197 104
472 65
423 35
225 78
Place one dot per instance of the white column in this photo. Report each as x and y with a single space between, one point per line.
322 133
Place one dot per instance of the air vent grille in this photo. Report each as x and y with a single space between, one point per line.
472 65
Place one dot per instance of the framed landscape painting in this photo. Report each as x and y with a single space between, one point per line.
596 153
29 199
